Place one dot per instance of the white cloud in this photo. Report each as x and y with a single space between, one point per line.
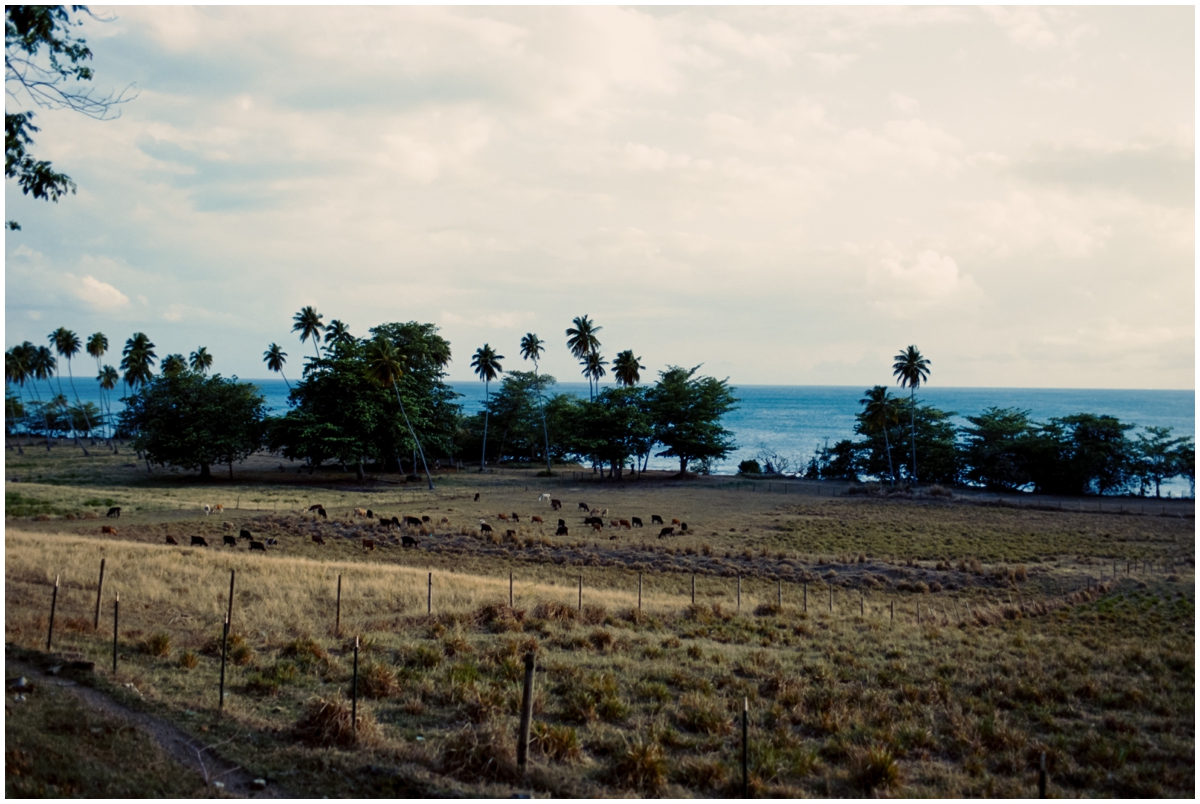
99 295
831 63
928 280
903 103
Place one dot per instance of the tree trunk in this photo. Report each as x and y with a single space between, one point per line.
483 457
359 472
682 465
231 468
205 472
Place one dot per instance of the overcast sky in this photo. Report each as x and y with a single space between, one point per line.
786 195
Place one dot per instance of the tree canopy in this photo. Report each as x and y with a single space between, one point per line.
686 412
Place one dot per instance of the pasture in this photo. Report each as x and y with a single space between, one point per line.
1027 642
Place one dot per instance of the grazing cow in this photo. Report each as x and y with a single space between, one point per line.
257 546
666 532
683 527
594 512
227 525
370 514
536 519
477 496
412 520
409 541
585 507
555 504
597 526
316 537
369 544
109 529
562 530
502 516
562 523
613 538
509 534
516 517
425 518
218 507
637 521
245 534
624 523
614 523
655 519
317 507
324 515
485 527
207 509
543 497
114 512
674 521
593 520
360 511
604 512
230 541
396 521
199 541
171 539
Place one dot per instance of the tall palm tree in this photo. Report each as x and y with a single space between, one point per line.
487 365
43 364
97 345
308 324
880 412
593 367
16 370
108 378
173 364
137 360
626 367
338 332
582 341
200 360
275 357
67 344
383 367
531 349
911 369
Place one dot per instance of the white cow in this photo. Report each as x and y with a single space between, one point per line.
544 498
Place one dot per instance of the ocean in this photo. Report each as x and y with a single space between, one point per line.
794 421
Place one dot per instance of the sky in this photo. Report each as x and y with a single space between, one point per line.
785 195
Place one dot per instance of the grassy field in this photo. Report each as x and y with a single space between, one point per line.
1026 644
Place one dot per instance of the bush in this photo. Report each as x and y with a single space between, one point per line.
485 752
327 723
560 743
640 765
698 713
158 644
189 659
750 467
875 769
377 681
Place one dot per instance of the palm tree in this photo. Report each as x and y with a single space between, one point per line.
274 357
16 369
97 345
593 367
338 332
200 360
582 341
308 324
43 364
383 366
531 349
487 365
626 367
108 378
67 344
137 360
173 364
912 369
880 412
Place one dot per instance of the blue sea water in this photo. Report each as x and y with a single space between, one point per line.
796 420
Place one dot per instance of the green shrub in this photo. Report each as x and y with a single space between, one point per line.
750 467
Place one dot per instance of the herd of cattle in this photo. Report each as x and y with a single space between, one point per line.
594 518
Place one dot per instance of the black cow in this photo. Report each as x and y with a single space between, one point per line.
585 507
477 496
562 531
316 537
115 511
198 541
683 527
412 520
637 521
370 514
555 504
245 534
485 527
324 515
593 520
229 540
562 523
669 531
426 519
317 507
409 541
655 519
257 546
171 539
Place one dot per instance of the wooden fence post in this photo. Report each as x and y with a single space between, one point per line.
745 747
510 590
1042 777
581 594
224 653
354 692
526 714
116 626
429 596
53 605
99 592
337 621
639 592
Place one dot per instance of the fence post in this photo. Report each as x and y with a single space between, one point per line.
806 597
862 604
224 653
116 625
510 590
639 592
693 588
354 692
581 594
429 596
99 592
337 622
745 747
53 605
229 613
831 598
526 714
1042 777
779 592
739 591
891 611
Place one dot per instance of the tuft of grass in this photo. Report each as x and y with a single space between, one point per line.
188 659
484 752
875 769
699 713
269 681
157 644
639 764
378 681
327 723
559 743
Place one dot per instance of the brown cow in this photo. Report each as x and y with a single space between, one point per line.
613 523
218 507
624 523
369 544
536 519
674 521
666 532
510 534
171 539
502 516
316 537
555 504
108 529
597 526
360 511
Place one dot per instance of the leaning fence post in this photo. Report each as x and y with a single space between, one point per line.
1042 777
639 592
354 692
116 624
581 594
224 653
429 596
53 605
693 588
337 621
745 747
99 592
510 590
526 714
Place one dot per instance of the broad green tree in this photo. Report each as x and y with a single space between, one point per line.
383 366
686 411
308 323
531 349
1156 457
995 448
487 365
911 369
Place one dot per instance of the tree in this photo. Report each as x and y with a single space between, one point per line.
383 366
16 369
97 345
487 365
626 368
1156 457
995 450
879 414
275 357
185 419
911 369
582 341
173 364
531 349
108 378
338 332
1080 454
200 360
43 364
137 360
67 344
593 368
308 323
43 63
839 462
686 412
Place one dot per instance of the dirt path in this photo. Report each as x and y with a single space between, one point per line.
178 744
